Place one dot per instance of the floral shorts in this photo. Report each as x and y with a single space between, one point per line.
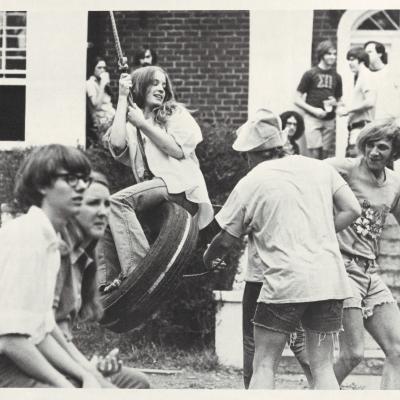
368 288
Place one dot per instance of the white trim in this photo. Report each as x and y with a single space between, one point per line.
13 81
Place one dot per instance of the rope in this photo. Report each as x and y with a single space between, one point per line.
122 61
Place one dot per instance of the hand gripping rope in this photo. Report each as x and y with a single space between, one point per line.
123 68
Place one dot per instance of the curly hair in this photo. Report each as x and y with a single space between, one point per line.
381 129
300 123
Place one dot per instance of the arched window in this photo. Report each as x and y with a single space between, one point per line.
383 20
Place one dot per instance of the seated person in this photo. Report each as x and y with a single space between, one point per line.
50 182
76 289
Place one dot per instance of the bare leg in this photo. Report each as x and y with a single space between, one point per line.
300 352
384 327
268 350
320 353
351 343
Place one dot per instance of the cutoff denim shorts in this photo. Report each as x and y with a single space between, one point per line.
319 316
368 288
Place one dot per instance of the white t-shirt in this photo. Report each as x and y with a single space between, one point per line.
387 85
365 85
179 175
286 208
29 263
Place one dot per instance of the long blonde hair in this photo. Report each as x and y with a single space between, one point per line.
141 79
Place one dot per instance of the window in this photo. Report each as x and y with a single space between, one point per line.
384 20
12 75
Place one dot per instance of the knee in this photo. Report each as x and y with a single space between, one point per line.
353 356
392 353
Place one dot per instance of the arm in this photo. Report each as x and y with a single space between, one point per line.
347 207
219 246
368 102
61 360
300 102
118 128
165 142
95 98
78 356
29 359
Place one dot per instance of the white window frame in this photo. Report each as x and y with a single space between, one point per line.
4 80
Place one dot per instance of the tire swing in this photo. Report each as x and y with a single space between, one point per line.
174 232
157 276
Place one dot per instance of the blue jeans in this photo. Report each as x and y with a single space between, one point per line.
124 243
249 305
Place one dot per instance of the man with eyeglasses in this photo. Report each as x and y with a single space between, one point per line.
50 184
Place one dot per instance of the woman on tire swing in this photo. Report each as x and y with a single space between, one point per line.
156 137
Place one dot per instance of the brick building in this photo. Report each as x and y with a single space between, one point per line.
206 54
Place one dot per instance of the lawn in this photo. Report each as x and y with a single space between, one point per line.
171 367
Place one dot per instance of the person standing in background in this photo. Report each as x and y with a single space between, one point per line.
100 106
318 94
386 81
361 109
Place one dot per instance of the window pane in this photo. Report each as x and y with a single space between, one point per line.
12 113
16 19
368 25
19 64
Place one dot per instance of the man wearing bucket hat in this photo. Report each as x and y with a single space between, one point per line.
285 206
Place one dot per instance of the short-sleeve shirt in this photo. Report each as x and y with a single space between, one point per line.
285 207
387 85
377 199
319 84
29 263
180 176
363 86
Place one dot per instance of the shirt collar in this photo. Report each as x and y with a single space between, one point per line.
42 222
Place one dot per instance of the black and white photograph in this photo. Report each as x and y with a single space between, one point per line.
199 196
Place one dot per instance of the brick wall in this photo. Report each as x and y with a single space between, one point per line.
206 54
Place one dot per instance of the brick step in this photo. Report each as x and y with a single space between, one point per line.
390 247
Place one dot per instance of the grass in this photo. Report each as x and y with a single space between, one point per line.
91 339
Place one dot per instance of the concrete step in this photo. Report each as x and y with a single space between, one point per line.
352 382
371 365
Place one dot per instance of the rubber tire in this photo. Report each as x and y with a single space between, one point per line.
156 277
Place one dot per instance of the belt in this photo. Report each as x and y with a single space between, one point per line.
358 124
368 264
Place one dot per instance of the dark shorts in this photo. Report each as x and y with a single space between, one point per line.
319 316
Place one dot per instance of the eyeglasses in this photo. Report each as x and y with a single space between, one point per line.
73 179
